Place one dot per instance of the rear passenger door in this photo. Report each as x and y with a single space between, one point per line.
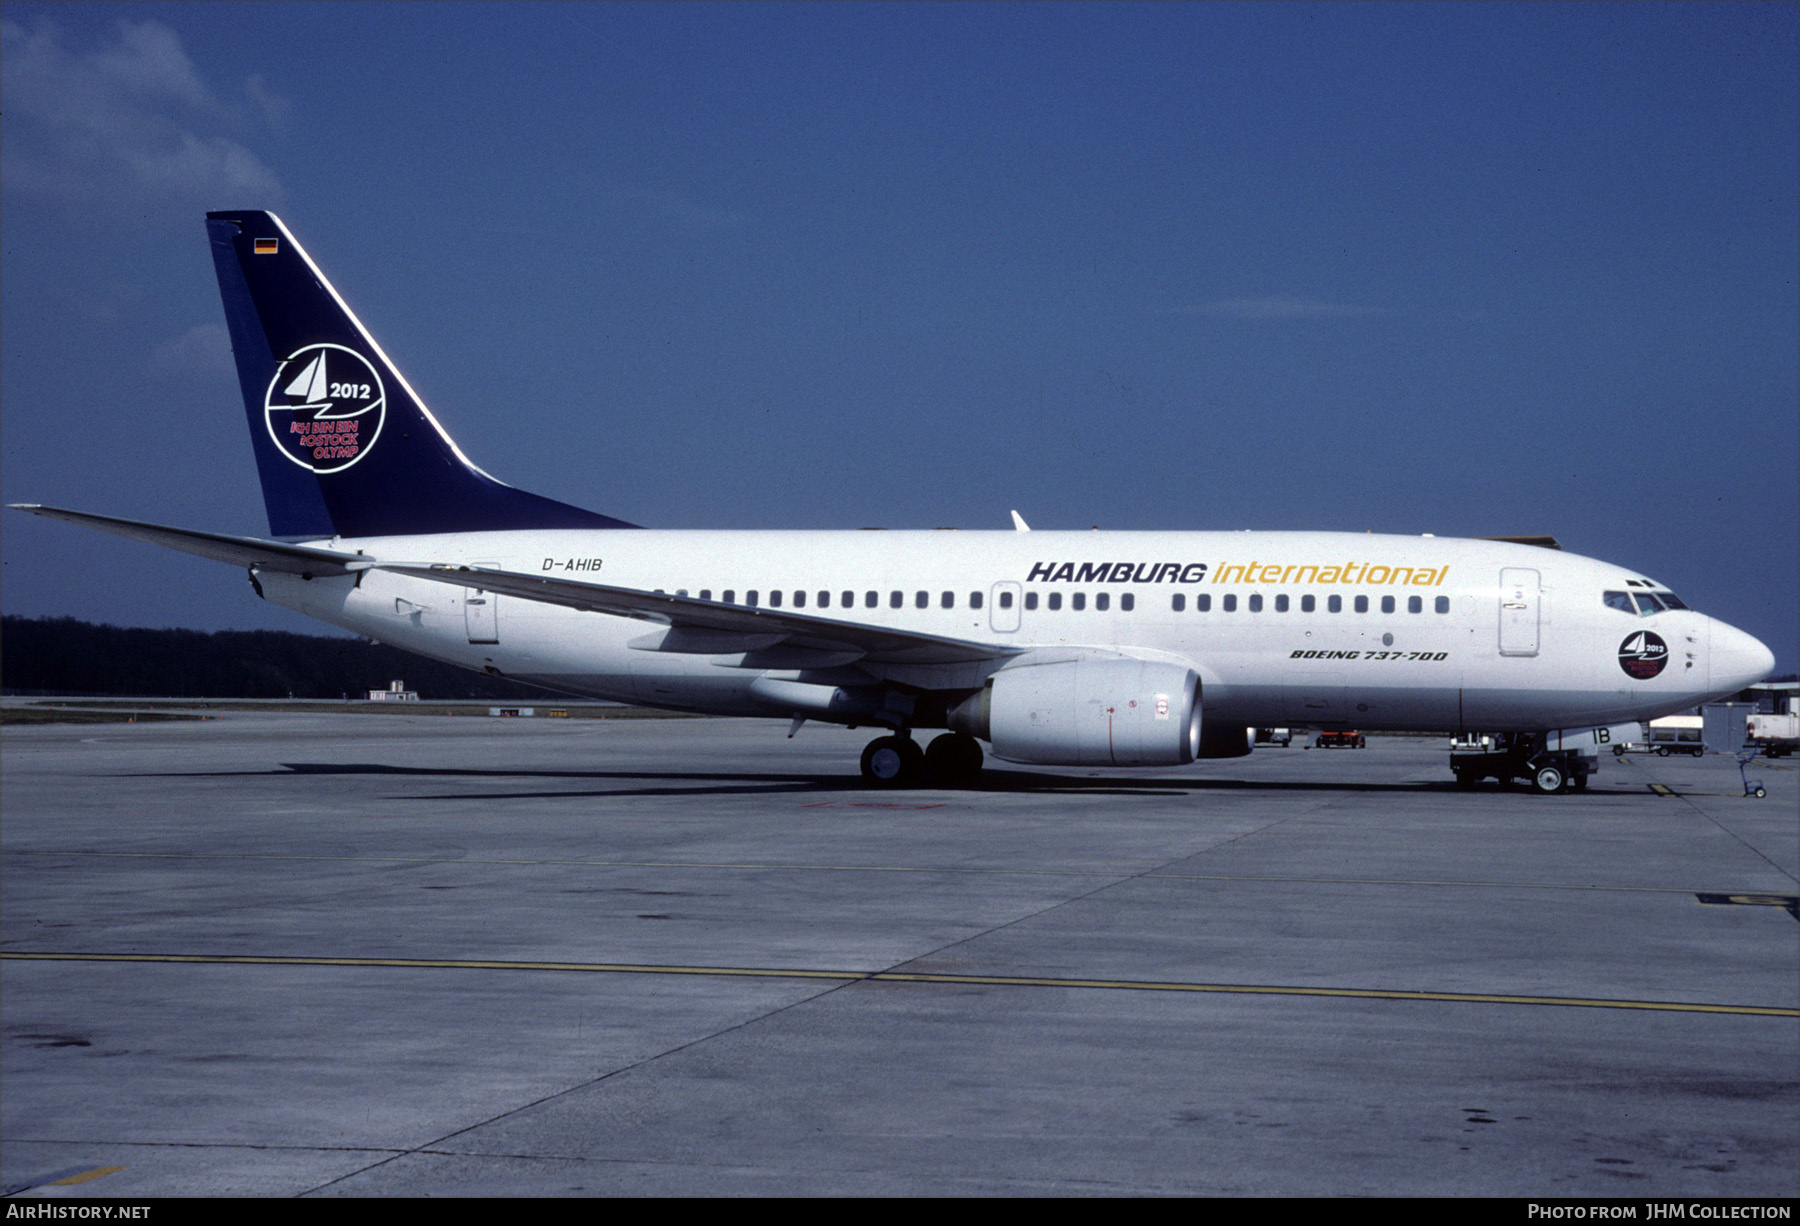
481 610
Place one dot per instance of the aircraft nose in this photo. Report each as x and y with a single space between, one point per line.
1738 659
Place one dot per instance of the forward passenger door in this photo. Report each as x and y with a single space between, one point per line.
1518 612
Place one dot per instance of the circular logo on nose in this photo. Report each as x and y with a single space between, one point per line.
1643 655
324 407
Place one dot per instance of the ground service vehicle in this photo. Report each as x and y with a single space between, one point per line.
1673 734
1776 735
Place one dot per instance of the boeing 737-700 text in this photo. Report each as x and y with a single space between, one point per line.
1055 648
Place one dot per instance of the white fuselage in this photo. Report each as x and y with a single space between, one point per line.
1315 628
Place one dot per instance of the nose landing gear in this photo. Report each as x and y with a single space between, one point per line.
1524 756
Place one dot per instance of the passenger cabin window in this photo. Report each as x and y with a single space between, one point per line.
1127 602
1334 604
1281 604
896 600
1415 604
1362 604
1006 600
871 600
846 600
974 600
706 593
729 596
1031 600
1203 602
1055 601
1078 601
1102 602
1308 604
1256 602
1441 604
774 599
1387 604
750 599
799 600
1178 602
947 600
1229 604
921 600
824 600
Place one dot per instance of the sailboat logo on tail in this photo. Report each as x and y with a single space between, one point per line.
324 407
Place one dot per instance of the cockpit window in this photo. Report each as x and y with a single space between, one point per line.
1642 603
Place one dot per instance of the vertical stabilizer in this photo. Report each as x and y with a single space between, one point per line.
343 445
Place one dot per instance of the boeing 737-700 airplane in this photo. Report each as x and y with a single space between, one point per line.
1055 648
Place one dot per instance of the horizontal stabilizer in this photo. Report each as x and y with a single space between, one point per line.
237 550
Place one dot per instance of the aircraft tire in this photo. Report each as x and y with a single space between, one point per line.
954 759
1549 780
893 762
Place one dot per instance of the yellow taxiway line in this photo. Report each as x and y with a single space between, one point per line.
847 976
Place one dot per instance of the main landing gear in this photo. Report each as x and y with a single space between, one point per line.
951 760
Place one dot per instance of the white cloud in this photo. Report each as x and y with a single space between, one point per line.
130 121
1282 306
274 109
204 350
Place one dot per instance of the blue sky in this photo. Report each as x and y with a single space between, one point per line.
1465 269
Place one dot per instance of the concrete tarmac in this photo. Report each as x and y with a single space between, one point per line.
370 955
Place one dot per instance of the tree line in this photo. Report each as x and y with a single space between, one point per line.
62 655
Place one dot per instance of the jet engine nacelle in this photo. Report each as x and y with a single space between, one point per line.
1098 712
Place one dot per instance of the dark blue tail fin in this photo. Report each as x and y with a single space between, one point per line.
344 447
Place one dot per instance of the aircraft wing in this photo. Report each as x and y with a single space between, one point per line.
708 627
238 550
